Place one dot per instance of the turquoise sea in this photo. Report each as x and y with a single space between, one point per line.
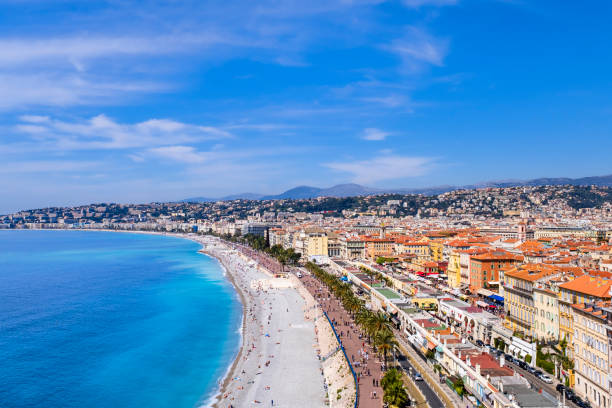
104 319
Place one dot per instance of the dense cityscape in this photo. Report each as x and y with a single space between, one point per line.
502 294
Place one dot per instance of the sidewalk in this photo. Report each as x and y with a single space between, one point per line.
365 362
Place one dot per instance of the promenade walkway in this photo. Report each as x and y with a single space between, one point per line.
365 361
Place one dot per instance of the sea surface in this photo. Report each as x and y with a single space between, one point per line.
104 319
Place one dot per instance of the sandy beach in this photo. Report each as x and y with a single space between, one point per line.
278 364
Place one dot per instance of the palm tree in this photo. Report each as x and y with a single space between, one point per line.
385 342
380 322
393 386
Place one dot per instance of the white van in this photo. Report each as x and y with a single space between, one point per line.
299 274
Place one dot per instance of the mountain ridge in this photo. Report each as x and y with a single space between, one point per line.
355 190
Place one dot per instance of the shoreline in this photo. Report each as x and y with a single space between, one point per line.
212 398
225 380
269 368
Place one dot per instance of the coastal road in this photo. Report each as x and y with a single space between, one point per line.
430 395
539 384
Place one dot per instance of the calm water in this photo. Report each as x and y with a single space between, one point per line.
102 319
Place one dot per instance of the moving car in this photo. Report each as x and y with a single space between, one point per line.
546 378
417 377
299 274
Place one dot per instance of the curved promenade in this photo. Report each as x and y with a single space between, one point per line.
367 368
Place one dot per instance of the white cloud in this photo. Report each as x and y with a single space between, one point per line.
386 167
374 134
102 132
391 101
33 118
417 48
47 166
65 89
182 154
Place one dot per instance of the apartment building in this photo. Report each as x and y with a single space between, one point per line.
591 354
519 304
453 270
484 268
546 303
584 289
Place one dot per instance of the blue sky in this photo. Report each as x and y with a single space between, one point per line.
138 101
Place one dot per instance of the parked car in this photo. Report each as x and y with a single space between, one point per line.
538 373
546 378
530 368
581 403
560 387
479 343
569 395
508 357
417 377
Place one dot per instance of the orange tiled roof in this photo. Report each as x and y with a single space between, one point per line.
532 272
589 285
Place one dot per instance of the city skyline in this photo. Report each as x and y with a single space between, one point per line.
122 102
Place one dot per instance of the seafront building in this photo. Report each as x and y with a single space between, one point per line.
458 273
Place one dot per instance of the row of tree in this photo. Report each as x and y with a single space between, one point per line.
375 325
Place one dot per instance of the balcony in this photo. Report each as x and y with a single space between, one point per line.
518 320
518 290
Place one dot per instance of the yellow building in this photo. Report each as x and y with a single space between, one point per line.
408 246
519 284
591 360
546 302
585 289
436 249
453 271
376 247
316 242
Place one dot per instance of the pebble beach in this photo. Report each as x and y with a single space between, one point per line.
279 362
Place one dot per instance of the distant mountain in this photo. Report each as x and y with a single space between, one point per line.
354 190
296 193
243 196
341 190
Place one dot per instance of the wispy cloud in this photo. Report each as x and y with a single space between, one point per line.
385 167
102 132
47 166
18 90
417 49
374 134
182 154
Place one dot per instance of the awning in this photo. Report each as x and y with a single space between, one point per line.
497 297
482 304
485 292
430 345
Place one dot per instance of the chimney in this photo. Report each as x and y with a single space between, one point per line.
502 360
467 361
500 385
477 368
